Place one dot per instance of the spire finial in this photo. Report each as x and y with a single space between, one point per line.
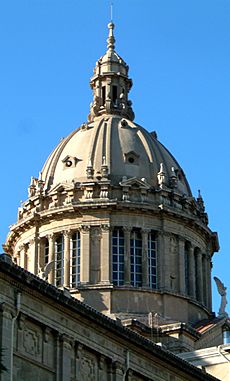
111 39
111 11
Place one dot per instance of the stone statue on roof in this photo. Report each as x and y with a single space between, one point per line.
223 292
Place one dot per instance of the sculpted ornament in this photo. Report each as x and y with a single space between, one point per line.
223 293
43 273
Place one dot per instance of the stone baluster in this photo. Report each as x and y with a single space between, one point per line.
127 233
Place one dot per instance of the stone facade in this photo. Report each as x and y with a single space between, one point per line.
48 335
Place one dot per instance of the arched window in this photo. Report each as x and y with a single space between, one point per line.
152 259
118 256
59 261
136 258
75 251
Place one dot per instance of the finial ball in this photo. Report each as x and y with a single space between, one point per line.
111 25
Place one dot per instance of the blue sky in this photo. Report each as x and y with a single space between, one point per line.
179 58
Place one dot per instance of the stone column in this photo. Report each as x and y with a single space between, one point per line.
32 260
181 266
199 277
85 254
36 252
145 264
6 339
205 285
209 283
95 252
23 255
127 279
164 241
105 255
67 235
191 275
51 275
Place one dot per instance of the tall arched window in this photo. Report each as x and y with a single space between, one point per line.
118 256
59 261
152 259
75 251
136 258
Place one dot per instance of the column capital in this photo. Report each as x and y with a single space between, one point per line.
67 233
51 236
67 341
84 228
7 310
127 229
105 227
146 230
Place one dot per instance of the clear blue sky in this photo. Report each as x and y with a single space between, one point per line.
179 57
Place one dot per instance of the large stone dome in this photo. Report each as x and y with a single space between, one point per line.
111 216
114 148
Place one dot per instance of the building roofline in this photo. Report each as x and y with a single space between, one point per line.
33 282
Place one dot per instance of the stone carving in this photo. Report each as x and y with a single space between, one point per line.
43 273
88 368
173 178
31 342
223 293
161 176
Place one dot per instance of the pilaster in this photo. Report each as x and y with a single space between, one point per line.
66 355
6 339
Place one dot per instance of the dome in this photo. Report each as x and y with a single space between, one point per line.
111 216
119 146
